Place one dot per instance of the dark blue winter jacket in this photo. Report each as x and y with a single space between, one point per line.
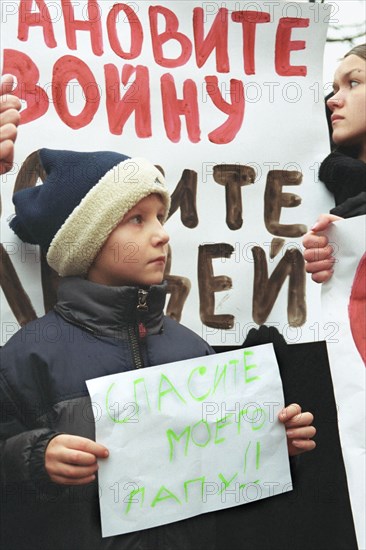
93 331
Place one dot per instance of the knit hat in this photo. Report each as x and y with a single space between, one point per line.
83 198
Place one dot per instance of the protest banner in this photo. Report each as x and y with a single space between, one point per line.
344 302
227 99
189 437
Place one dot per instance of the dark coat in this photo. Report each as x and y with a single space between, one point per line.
93 331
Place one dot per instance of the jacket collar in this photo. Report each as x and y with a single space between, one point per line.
110 311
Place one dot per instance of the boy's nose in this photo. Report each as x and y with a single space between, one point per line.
161 236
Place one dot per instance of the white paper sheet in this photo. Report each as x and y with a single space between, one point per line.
189 437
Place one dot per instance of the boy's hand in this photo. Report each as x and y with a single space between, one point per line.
9 120
318 252
72 460
299 430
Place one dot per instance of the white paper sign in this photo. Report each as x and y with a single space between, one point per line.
344 304
189 437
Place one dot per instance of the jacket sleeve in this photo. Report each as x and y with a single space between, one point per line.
24 434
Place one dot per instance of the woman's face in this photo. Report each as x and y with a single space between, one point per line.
348 105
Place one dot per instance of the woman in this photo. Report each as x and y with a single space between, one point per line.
344 170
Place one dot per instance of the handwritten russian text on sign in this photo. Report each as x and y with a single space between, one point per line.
189 437
226 98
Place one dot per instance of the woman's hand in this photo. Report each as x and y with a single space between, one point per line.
72 460
318 252
299 429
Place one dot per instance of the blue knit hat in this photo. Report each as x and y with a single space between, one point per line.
83 198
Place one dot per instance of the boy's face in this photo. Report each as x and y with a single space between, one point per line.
135 252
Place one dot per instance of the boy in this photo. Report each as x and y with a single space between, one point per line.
99 218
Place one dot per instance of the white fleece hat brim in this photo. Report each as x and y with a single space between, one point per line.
82 235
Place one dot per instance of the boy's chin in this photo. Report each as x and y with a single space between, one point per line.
149 282
157 281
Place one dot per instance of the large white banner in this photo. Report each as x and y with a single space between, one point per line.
344 303
227 98
189 437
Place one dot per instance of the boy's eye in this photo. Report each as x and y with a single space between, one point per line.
136 219
353 83
161 218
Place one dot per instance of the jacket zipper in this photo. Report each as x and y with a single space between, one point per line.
138 331
135 332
